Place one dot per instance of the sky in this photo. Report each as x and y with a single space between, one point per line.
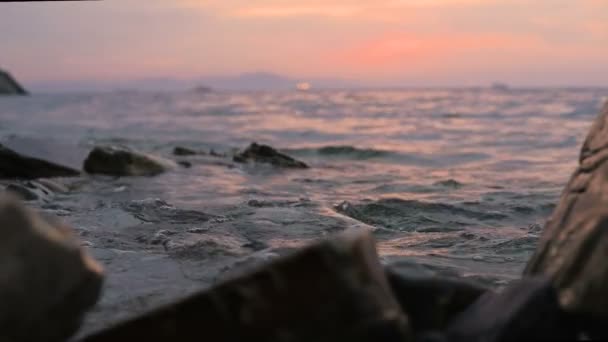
377 42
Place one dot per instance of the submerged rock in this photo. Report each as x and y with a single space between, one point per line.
574 244
527 310
47 282
332 291
17 165
8 85
183 151
266 154
29 190
429 299
122 161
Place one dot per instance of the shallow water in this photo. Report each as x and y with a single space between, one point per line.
458 180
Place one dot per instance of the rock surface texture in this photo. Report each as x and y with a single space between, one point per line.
8 85
335 290
573 250
431 300
527 310
122 161
266 154
47 282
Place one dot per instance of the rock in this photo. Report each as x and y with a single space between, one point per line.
53 186
574 244
8 85
47 282
17 165
527 310
430 299
183 151
266 154
122 161
29 190
185 164
332 291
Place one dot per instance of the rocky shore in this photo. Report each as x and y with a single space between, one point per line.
334 289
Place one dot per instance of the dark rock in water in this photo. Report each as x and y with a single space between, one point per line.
157 211
47 282
183 151
185 164
430 300
122 161
25 166
332 291
266 154
527 310
29 190
574 244
8 85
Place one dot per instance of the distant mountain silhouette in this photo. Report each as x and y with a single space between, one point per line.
245 81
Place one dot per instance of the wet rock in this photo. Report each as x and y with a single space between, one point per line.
17 165
47 282
53 186
266 154
8 85
185 163
332 291
183 151
430 299
154 210
573 246
29 190
122 161
527 310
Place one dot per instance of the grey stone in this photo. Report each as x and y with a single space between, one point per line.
123 161
334 290
47 282
266 154
573 248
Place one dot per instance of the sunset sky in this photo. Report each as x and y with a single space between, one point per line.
397 42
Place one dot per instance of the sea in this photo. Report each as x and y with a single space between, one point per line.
455 180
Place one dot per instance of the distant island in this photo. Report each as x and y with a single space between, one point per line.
9 86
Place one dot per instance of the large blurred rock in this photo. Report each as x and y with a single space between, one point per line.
335 290
527 310
122 161
430 299
15 165
8 85
46 281
265 154
573 249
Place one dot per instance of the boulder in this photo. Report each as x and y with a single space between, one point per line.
574 244
31 159
335 290
527 310
430 299
123 161
47 282
266 154
8 85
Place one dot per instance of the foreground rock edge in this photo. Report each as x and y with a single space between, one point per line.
333 290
